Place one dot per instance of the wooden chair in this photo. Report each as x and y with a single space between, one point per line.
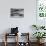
27 37
8 34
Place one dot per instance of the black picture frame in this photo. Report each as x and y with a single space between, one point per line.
17 12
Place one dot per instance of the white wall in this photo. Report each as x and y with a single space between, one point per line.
23 23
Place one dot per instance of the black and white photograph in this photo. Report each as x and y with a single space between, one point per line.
17 12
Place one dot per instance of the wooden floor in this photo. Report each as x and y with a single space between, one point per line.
13 44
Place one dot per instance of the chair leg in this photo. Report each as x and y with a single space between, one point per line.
17 39
5 43
5 40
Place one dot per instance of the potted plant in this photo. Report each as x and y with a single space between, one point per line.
39 35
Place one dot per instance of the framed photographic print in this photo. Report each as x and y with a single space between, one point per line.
41 12
17 12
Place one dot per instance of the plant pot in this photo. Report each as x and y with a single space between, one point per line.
42 40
